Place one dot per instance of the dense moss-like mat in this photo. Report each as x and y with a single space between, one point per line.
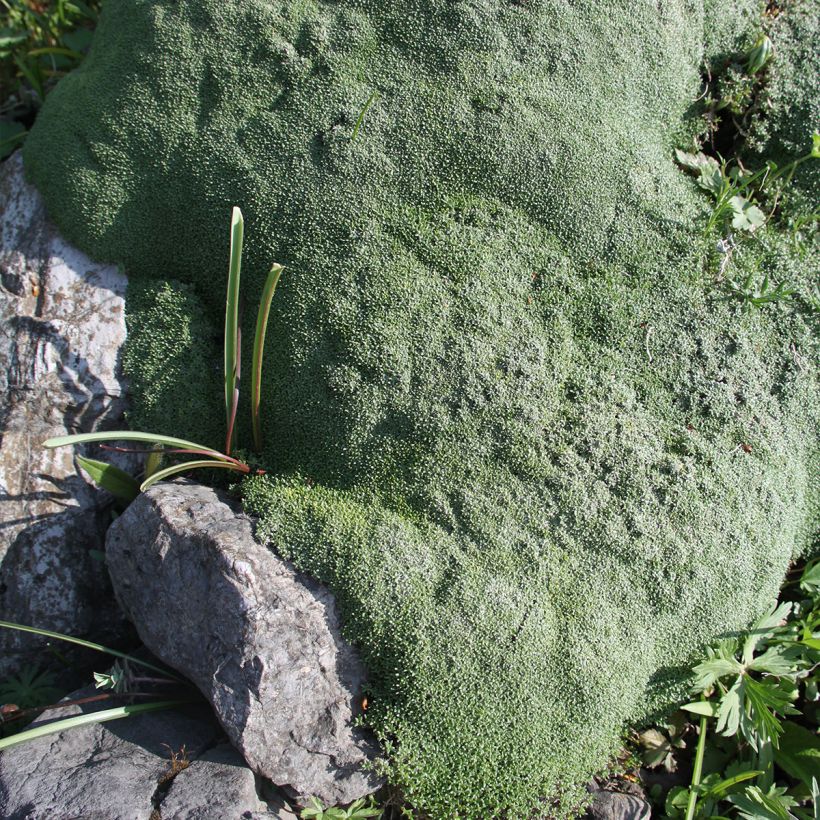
505 411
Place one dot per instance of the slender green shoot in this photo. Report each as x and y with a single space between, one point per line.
370 100
191 465
88 645
128 435
232 322
85 719
258 348
697 772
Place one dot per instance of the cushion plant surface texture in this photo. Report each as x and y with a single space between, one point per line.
509 418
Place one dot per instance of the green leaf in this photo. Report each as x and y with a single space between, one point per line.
702 707
258 349
747 217
370 100
676 801
730 709
718 790
88 645
111 478
776 660
815 145
127 435
711 179
159 475
31 688
232 319
766 698
810 580
765 626
720 662
755 804
759 54
798 753
696 162
84 720
656 747
314 809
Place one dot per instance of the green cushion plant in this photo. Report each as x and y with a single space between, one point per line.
513 423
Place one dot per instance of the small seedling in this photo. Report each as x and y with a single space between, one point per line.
358 810
124 486
757 296
737 191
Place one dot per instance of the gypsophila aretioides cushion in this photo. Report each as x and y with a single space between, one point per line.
509 419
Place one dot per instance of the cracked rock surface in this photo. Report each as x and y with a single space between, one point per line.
261 641
122 770
61 327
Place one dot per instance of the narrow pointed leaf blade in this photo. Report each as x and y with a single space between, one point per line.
86 719
232 309
46 633
258 349
190 465
128 435
111 478
702 707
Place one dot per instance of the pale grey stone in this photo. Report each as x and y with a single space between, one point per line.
261 641
219 786
61 327
122 770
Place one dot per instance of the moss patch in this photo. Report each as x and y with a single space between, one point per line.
504 414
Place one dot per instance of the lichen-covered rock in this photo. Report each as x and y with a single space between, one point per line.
261 641
61 327
124 770
505 412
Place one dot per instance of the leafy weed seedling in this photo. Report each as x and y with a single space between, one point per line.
358 810
751 687
756 296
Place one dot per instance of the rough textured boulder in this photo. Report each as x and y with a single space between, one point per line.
511 421
608 805
61 327
123 770
261 641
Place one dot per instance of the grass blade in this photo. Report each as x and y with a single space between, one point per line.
370 100
190 465
111 478
128 435
88 645
83 720
258 348
232 317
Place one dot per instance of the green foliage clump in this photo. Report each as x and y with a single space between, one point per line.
539 462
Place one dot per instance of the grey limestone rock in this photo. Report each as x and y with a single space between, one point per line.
219 785
608 805
260 640
61 327
122 770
